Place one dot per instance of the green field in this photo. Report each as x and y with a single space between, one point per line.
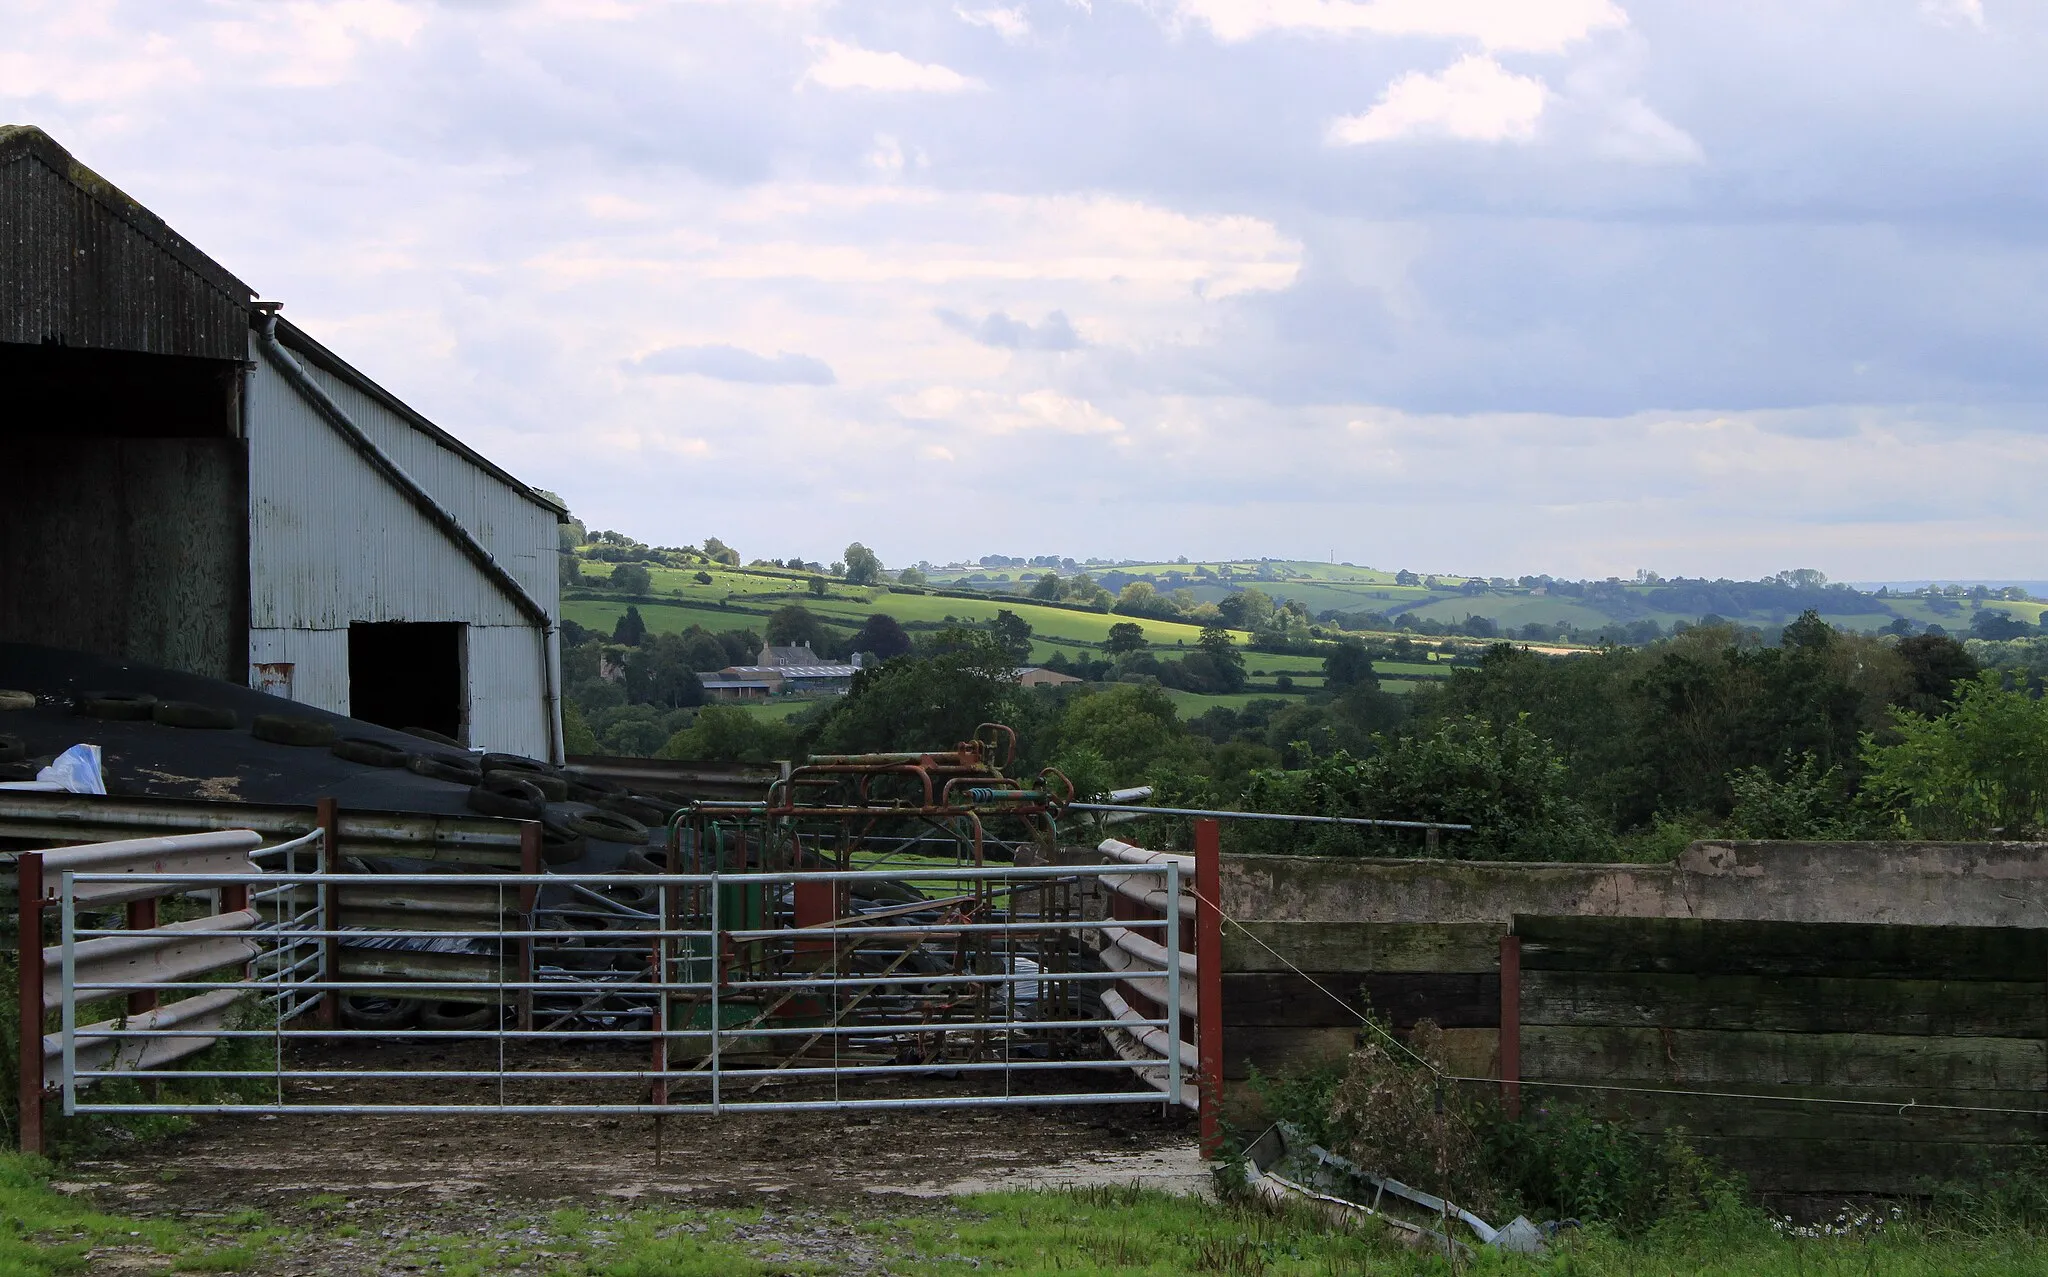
749 595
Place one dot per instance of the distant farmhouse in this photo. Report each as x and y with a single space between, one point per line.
781 671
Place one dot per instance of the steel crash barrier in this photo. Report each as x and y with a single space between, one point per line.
212 961
947 984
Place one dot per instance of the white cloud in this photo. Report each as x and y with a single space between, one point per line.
985 412
730 363
1532 26
1638 135
1474 99
1011 24
846 66
1955 12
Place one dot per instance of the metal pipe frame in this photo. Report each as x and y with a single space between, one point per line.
1129 810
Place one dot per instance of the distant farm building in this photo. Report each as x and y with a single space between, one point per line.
1039 676
195 483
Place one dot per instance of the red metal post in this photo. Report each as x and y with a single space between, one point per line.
815 908
1209 980
142 917
1511 1024
327 812
529 863
29 884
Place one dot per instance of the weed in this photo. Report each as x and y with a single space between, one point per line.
227 1260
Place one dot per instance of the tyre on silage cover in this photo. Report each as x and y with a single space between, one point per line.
371 753
290 729
500 794
441 767
552 788
117 707
194 715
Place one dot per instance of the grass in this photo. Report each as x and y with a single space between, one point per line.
1101 1231
44 1233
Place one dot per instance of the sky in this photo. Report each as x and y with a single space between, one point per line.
1500 286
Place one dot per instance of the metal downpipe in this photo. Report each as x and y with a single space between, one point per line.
434 512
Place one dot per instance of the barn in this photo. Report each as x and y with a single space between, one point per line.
192 482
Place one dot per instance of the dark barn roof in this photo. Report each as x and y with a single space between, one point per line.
83 265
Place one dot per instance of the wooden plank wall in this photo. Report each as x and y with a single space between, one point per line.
1277 1019
1909 1016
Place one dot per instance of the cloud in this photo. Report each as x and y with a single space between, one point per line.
1004 333
730 363
984 412
1638 135
1011 24
1474 99
1529 26
1955 12
845 66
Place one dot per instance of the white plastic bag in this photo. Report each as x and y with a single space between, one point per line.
77 770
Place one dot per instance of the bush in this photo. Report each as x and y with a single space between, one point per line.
1386 1108
1505 781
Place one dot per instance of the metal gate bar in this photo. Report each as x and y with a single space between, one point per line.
986 1016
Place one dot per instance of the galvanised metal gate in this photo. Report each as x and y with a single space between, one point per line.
941 985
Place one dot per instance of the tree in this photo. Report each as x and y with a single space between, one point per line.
1405 577
729 734
1014 633
911 577
927 702
794 626
632 578
881 637
630 628
1505 781
1083 590
1125 636
1141 598
817 587
1132 727
1935 663
862 567
702 651
1978 771
702 578
1348 665
719 552
1996 625
1047 588
1222 652
1246 609
659 673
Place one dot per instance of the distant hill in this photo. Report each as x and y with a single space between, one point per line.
1539 608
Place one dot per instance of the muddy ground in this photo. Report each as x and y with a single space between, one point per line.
818 1174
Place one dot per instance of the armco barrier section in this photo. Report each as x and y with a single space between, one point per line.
955 996
1190 946
187 955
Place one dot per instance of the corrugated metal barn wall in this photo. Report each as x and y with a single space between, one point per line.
81 264
331 541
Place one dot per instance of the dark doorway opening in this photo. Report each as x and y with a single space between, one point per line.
408 674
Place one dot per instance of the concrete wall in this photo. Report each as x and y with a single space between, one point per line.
1965 884
1891 978
332 541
